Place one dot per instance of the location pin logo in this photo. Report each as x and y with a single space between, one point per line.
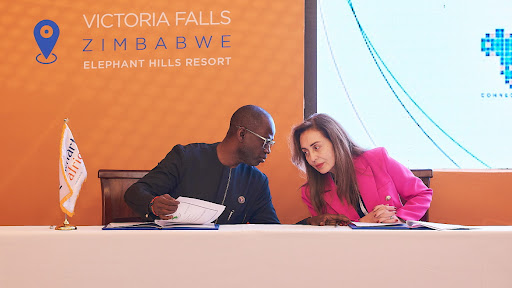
46 33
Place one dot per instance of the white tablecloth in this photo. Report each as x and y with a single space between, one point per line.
255 256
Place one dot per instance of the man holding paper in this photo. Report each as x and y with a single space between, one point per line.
221 173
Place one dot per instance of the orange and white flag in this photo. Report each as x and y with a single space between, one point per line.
72 172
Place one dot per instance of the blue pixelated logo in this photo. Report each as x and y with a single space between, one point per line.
46 34
500 45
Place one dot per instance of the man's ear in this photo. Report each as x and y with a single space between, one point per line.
240 135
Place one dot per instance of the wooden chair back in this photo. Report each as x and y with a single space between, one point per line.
424 175
113 186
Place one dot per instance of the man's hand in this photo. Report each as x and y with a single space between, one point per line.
329 219
164 206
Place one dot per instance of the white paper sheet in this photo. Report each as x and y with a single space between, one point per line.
193 211
437 226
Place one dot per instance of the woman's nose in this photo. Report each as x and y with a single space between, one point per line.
312 157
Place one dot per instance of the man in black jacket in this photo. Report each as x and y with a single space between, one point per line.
222 173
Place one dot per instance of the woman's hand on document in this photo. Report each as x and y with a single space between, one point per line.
381 214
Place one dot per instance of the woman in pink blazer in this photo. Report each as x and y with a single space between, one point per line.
347 183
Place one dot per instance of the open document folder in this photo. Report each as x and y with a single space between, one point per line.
409 225
191 214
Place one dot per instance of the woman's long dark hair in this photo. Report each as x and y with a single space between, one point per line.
344 151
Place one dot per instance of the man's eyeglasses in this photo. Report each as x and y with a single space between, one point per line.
268 142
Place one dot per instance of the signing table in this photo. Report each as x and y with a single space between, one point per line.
255 256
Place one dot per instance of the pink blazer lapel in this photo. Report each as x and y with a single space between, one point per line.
366 183
334 204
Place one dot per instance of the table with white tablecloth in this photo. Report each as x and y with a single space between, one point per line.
255 256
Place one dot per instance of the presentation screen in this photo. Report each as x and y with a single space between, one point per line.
429 80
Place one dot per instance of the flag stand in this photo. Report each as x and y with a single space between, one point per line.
66 225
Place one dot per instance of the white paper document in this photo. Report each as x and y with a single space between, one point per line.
193 211
436 226
409 224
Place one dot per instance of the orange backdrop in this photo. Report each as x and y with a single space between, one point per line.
130 117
